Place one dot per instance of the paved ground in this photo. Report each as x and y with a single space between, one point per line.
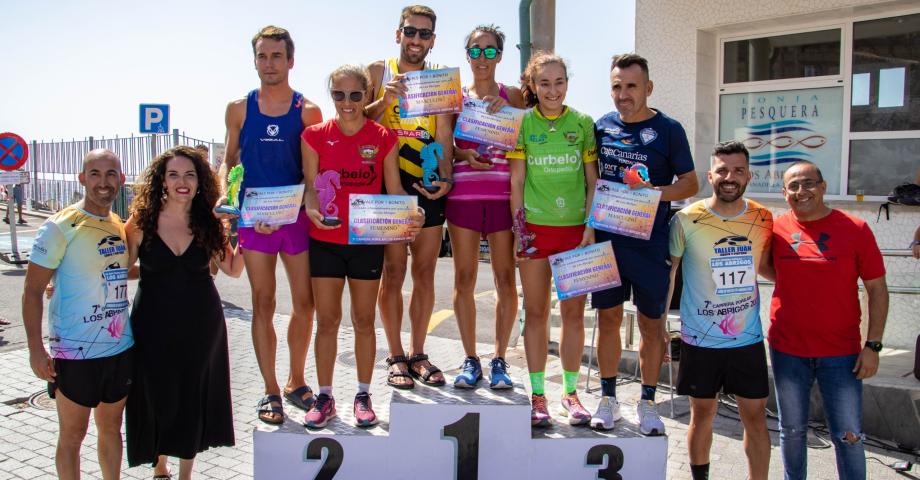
28 430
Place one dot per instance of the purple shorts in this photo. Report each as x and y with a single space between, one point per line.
483 216
291 239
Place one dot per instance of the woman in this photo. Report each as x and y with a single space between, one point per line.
553 171
478 206
347 154
179 403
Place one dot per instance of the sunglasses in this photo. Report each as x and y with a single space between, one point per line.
355 96
423 33
489 52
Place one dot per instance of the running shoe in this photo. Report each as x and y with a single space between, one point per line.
650 423
364 412
323 410
572 408
470 373
608 412
498 375
539 415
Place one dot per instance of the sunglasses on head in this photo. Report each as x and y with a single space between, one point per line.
489 52
423 33
355 96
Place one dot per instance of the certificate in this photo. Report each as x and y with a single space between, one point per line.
498 129
621 210
584 270
380 219
271 205
431 92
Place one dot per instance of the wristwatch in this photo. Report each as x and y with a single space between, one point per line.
874 346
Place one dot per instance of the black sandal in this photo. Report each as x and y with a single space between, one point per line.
265 407
391 375
428 371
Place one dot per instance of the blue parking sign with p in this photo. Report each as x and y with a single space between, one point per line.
154 118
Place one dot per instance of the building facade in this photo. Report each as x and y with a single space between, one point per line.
836 82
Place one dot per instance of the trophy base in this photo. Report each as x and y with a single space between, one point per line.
229 209
431 188
528 253
331 221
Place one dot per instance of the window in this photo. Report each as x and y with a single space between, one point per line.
798 55
781 127
876 166
886 69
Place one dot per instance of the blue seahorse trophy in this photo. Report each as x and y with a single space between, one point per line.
431 154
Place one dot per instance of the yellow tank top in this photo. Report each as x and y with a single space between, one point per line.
414 133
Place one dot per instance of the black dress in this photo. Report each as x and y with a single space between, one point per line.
179 403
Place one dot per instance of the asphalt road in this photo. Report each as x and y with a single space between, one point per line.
235 294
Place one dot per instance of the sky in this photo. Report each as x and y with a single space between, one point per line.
77 69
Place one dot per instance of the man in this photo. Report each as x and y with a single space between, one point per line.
415 37
819 255
17 198
89 369
722 240
635 134
263 132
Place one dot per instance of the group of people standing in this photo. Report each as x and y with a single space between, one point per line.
169 358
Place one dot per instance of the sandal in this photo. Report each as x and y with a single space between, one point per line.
296 397
427 371
266 410
392 375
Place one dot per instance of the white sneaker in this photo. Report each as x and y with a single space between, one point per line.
650 423
608 412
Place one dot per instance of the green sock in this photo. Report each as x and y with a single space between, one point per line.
536 382
569 382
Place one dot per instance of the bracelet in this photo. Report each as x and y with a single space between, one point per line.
915 242
448 180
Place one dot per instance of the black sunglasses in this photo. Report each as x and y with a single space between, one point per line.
423 33
489 52
355 96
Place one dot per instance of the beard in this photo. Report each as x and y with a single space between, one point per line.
729 197
413 58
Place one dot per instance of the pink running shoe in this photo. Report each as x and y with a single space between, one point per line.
539 415
323 410
364 412
572 408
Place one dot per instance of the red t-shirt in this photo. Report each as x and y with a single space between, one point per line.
357 159
815 307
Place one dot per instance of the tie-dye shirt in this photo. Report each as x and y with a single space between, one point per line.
720 305
87 315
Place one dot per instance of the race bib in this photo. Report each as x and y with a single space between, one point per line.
733 274
116 288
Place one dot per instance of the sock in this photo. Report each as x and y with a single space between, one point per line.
648 392
569 382
364 387
609 386
536 382
326 390
700 472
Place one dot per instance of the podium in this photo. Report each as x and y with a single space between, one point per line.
448 433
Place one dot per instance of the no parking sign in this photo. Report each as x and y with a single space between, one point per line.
13 151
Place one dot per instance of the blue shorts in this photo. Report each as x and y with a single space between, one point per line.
645 273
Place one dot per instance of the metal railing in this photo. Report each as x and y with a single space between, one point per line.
54 165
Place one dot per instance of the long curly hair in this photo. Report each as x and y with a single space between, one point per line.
206 229
539 60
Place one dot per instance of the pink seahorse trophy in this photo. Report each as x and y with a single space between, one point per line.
326 184
525 237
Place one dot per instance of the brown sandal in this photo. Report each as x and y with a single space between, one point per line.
391 375
426 372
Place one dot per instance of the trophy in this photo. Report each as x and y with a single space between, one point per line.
524 236
234 179
430 154
486 152
637 173
326 185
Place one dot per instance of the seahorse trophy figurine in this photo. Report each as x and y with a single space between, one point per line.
430 154
326 185
234 180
